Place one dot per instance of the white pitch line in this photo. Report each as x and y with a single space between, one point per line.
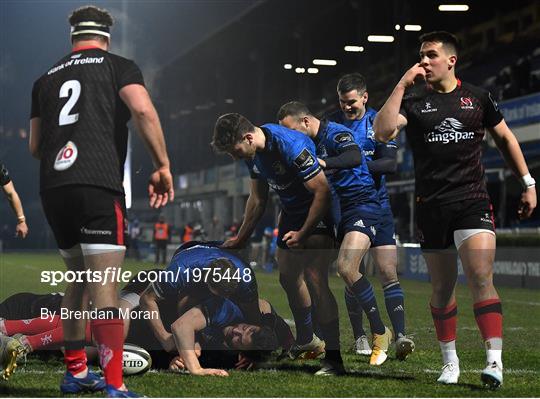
477 371
531 303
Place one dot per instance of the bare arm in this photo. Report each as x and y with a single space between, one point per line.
146 119
184 330
389 121
321 202
148 303
511 151
15 202
35 137
255 206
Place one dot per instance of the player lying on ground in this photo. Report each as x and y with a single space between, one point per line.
48 333
219 318
196 272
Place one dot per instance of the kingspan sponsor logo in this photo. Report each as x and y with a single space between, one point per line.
448 131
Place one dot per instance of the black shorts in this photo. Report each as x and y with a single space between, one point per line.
436 223
85 215
26 305
294 222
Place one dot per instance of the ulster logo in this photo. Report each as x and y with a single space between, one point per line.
466 103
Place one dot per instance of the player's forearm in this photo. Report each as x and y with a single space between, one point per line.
149 128
386 121
512 154
184 338
254 211
149 304
319 207
383 166
16 205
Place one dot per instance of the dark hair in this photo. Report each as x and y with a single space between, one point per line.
264 343
293 108
350 82
448 40
226 285
229 130
90 14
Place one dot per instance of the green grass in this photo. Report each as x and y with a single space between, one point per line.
415 377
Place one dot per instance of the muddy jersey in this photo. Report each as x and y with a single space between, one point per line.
445 131
83 119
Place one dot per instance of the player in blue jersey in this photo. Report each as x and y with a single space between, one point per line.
285 160
221 325
195 273
354 189
381 160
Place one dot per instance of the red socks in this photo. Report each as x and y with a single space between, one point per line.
109 337
489 318
31 326
445 320
52 338
75 357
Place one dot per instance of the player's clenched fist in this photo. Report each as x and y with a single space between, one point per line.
412 74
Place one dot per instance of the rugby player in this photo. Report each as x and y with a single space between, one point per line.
80 108
197 271
285 160
381 160
346 170
219 319
14 201
445 122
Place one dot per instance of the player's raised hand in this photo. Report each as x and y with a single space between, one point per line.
416 72
217 372
527 203
160 187
294 239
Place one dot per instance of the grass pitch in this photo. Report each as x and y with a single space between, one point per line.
414 377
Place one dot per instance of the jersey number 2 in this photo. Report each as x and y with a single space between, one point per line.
73 86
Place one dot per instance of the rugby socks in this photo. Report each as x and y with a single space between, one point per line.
489 318
109 336
395 306
51 338
31 326
445 321
330 334
304 326
363 292
355 314
75 358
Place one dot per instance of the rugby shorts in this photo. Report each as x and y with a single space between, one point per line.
294 222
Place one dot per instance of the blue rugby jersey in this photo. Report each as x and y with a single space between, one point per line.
221 312
180 277
354 185
287 161
365 137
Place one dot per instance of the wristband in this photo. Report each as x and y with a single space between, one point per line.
21 218
527 181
